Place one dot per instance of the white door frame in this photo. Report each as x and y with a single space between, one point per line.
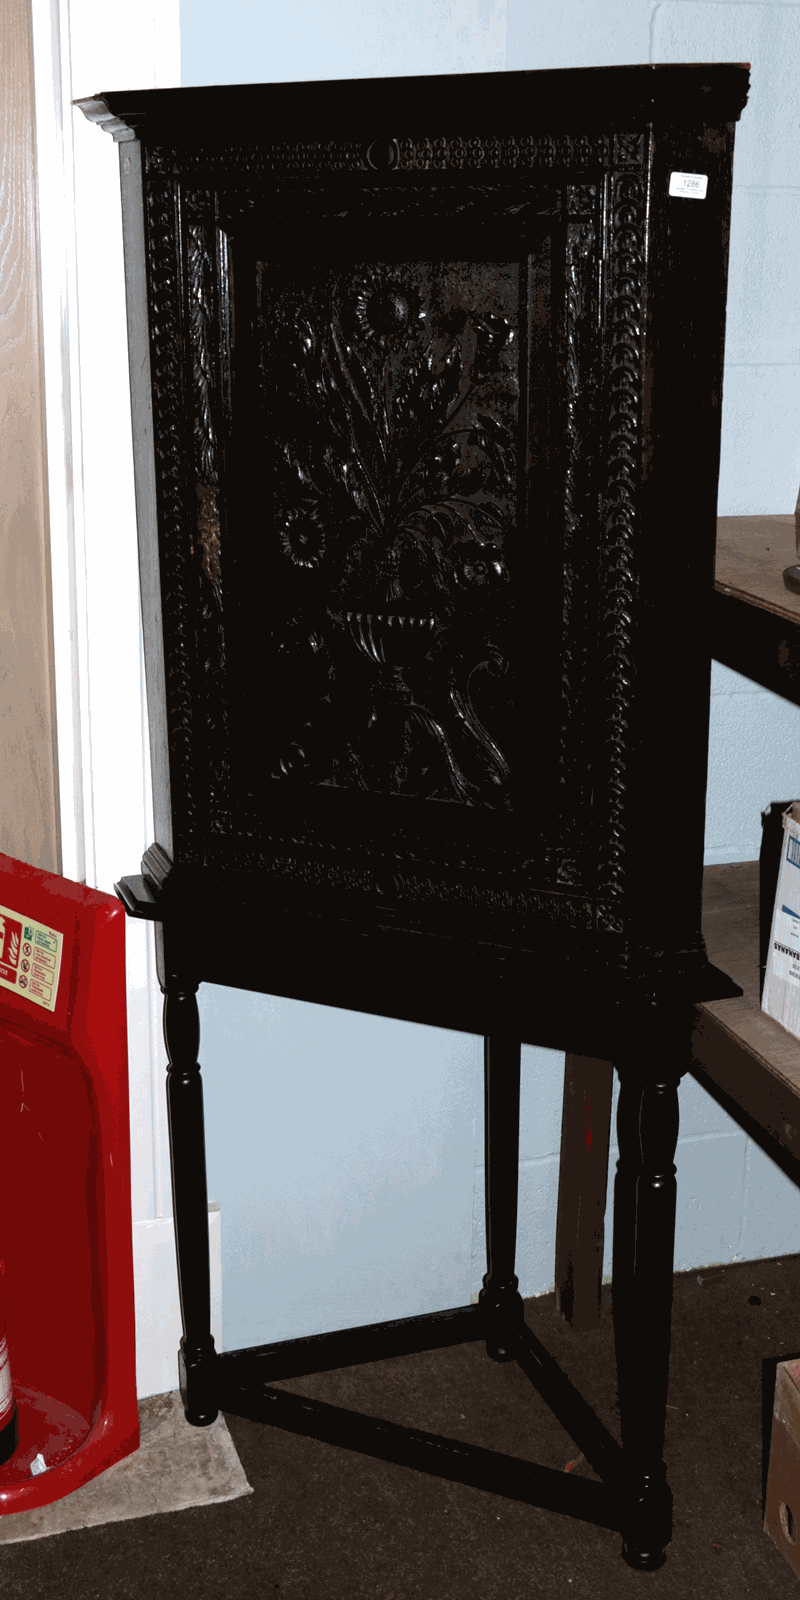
81 48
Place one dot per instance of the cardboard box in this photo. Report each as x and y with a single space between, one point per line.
781 997
782 1509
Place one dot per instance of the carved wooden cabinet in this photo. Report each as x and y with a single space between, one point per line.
426 380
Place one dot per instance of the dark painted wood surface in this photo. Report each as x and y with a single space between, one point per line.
426 602
258 116
431 699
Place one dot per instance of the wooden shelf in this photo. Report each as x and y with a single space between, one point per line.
756 631
747 1055
755 619
748 1062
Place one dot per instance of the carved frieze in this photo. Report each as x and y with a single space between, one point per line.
172 418
409 153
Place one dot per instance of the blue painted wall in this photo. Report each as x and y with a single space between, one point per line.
346 1151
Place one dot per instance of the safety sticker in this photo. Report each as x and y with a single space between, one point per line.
30 958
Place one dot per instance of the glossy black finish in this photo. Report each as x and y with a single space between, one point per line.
426 597
348 1347
644 1231
434 1454
391 972
260 117
459 417
197 1357
500 1299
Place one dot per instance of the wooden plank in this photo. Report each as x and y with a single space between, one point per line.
582 1180
752 553
754 618
744 1052
760 643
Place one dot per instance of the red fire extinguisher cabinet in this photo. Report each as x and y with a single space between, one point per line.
66 1253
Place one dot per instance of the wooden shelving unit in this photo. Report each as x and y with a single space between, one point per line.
755 620
739 1051
748 1062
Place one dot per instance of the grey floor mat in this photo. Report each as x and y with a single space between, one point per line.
175 1466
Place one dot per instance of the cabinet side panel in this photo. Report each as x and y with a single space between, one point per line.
145 480
681 424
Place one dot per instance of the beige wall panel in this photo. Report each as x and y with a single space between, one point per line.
29 810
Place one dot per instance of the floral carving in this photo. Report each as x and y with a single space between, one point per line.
302 535
392 492
384 310
416 487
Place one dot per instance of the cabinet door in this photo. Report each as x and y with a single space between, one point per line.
404 478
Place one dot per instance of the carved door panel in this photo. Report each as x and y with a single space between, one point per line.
397 454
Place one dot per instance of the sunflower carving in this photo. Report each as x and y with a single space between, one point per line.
385 311
301 535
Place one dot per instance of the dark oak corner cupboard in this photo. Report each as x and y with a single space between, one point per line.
426 380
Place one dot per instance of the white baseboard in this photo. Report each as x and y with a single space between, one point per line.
158 1310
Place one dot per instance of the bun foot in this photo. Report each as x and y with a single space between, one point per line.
499 1352
196 1378
643 1560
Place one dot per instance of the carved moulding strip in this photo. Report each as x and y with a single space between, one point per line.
171 406
205 254
97 111
525 150
578 362
411 153
412 894
626 249
305 201
472 208
200 290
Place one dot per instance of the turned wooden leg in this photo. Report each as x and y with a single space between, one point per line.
582 1183
500 1297
644 1237
197 1356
